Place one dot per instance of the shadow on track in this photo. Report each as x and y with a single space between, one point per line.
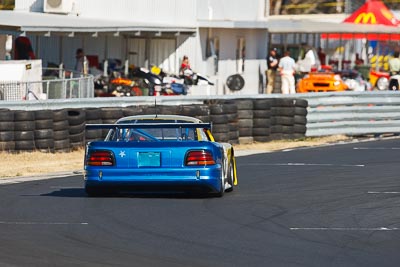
80 193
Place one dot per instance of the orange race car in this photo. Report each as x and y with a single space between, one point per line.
321 82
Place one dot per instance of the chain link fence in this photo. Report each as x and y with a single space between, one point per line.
54 85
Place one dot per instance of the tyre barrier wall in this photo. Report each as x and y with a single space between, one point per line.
234 121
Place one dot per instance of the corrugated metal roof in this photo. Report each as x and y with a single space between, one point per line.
293 25
43 22
299 25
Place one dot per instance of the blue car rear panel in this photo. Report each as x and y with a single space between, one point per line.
154 164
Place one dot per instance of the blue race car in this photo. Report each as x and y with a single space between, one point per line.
158 153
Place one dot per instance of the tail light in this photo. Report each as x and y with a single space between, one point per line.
199 158
100 158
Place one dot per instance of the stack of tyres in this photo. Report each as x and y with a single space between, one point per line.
300 118
61 130
149 110
7 142
76 121
44 132
199 111
220 121
160 109
93 116
282 121
277 83
169 109
233 121
24 130
262 119
110 116
245 120
132 111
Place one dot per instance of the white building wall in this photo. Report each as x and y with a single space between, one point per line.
48 49
61 49
189 46
69 48
116 47
177 12
171 13
180 12
255 64
231 10
29 5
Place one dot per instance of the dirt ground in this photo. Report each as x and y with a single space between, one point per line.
39 163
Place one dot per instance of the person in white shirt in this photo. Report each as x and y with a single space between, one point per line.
287 67
308 62
310 57
394 64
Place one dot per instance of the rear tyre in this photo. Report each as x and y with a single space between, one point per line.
230 176
221 191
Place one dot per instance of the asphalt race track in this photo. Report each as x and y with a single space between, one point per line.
328 206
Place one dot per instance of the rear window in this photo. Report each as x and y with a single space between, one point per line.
153 134
156 134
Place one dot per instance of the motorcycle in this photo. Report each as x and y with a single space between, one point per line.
148 79
172 86
192 78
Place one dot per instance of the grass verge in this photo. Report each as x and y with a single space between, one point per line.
39 163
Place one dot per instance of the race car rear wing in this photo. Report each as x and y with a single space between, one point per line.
117 126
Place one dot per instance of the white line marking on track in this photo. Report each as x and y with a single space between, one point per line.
376 148
42 223
344 229
375 192
305 164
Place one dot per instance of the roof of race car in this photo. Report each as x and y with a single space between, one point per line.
159 117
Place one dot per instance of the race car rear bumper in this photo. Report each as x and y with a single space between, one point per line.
154 180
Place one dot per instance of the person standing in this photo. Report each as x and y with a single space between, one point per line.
394 64
23 48
79 63
185 65
272 63
310 58
287 67
321 56
185 71
394 69
307 62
